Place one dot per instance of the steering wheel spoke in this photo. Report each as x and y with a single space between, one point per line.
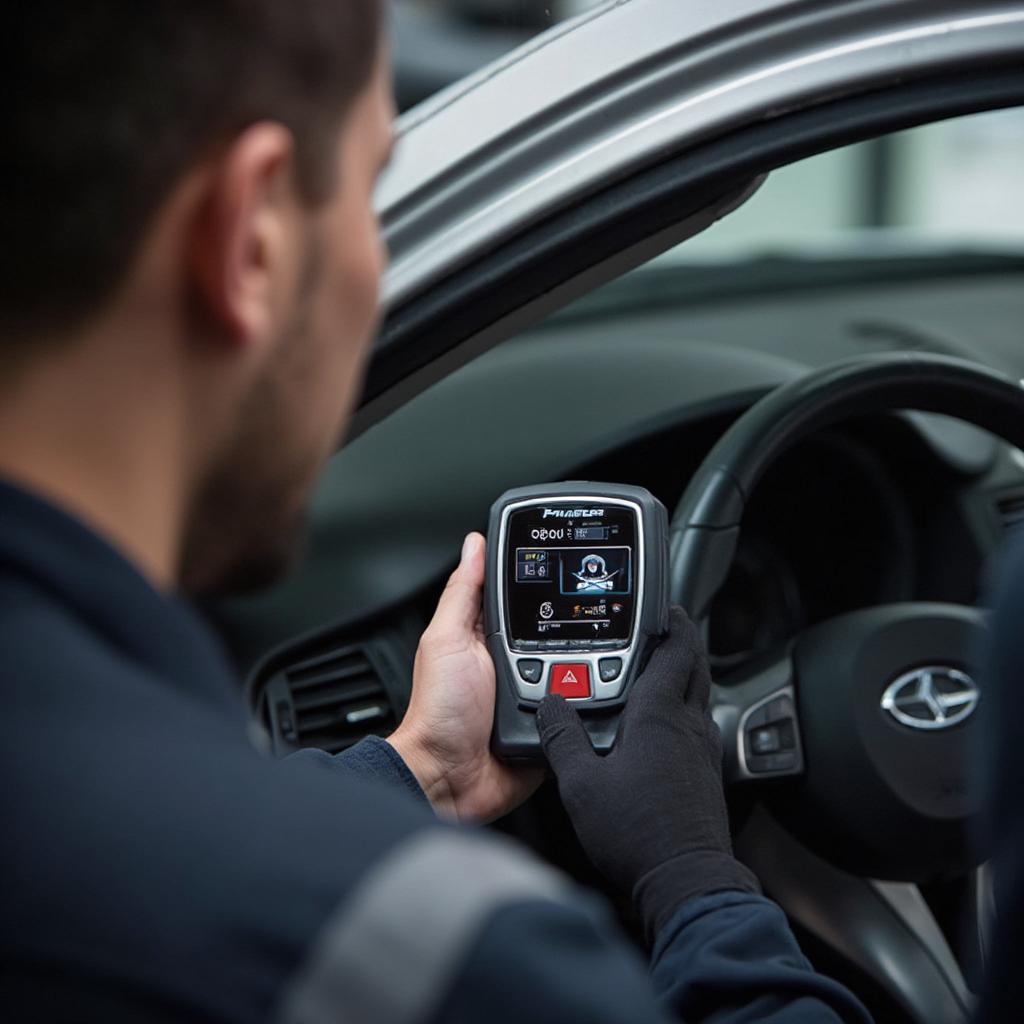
886 930
757 717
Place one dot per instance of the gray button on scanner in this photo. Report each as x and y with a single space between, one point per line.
530 670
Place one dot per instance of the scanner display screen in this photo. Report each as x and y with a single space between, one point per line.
570 574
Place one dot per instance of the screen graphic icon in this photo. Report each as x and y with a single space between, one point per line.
593 576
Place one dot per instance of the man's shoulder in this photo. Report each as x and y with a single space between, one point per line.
79 709
148 837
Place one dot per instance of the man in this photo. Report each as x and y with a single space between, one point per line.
188 290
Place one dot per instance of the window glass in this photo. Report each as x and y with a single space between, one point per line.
953 182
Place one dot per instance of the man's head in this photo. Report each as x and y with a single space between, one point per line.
190 183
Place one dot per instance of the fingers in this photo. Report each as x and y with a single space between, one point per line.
562 735
458 611
698 693
678 669
666 677
698 686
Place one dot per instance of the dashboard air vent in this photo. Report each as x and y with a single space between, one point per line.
331 701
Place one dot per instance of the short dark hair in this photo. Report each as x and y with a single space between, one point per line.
110 102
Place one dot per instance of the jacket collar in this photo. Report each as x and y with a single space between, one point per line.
62 557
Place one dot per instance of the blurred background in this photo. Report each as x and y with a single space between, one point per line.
958 182
441 41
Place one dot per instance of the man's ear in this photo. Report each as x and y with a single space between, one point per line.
243 236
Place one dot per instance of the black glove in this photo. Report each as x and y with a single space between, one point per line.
651 814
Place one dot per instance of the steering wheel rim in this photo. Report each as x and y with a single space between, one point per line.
704 535
706 522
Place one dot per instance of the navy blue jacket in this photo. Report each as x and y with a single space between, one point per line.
156 866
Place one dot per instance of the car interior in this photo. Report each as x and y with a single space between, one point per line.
636 383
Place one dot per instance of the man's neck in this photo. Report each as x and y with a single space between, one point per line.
81 431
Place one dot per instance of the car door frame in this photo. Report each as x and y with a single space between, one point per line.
632 158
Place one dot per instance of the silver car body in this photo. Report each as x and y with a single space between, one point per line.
616 89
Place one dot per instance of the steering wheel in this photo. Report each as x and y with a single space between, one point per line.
858 732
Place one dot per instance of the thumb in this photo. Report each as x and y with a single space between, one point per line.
565 741
459 607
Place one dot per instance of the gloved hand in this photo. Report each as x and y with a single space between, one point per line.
651 813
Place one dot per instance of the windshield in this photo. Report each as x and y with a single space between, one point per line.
953 184
934 202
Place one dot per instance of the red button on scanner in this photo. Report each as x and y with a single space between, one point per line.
570 680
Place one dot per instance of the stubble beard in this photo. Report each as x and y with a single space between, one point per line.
249 520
